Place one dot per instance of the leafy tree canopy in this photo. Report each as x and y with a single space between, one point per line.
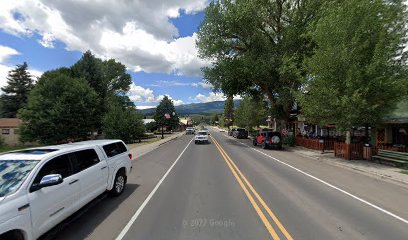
60 108
123 123
257 47
251 113
108 78
358 71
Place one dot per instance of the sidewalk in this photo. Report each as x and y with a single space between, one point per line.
363 166
138 151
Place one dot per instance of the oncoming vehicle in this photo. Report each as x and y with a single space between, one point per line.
40 187
201 137
190 130
267 138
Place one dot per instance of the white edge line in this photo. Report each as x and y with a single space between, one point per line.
146 201
330 185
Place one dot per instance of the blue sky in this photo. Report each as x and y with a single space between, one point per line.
154 39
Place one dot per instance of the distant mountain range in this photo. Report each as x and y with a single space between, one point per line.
195 108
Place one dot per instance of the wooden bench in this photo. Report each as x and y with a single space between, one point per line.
398 159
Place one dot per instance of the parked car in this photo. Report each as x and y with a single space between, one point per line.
190 130
201 137
231 131
40 187
240 133
267 138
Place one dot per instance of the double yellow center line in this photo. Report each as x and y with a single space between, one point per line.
241 179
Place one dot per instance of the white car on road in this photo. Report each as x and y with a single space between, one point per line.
201 137
40 187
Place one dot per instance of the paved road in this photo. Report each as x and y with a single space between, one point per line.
229 190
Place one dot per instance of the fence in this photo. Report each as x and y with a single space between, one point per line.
316 144
349 151
352 151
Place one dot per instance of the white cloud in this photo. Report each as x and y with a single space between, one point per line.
146 95
210 98
163 83
144 107
137 33
205 85
6 52
178 102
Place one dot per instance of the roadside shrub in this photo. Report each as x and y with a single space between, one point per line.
289 140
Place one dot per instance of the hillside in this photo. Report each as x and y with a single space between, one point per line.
195 108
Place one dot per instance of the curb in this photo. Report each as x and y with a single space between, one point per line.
345 166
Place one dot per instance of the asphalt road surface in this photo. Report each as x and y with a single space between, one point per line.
228 189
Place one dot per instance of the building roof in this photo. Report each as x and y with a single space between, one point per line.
9 122
146 121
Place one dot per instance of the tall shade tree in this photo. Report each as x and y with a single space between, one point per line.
108 78
257 47
166 106
251 113
15 93
59 109
358 72
229 111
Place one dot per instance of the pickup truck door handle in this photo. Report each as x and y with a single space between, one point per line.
76 180
103 168
23 207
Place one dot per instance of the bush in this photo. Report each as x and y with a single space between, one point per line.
289 140
123 123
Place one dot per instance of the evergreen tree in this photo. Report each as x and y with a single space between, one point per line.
166 106
15 93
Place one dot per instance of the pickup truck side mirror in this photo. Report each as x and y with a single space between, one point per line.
47 181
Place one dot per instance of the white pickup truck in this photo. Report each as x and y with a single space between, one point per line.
40 187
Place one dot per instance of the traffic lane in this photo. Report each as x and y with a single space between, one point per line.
309 209
199 199
377 190
106 216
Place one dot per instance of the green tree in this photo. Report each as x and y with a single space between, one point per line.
166 106
59 109
151 126
108 78
123 123
358 72
229 111
251 113
257 48
15 93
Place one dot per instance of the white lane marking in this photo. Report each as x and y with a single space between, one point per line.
146 201
329 185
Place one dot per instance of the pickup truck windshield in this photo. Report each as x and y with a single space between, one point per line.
202 133
13 173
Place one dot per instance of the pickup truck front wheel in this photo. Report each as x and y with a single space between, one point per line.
119 184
